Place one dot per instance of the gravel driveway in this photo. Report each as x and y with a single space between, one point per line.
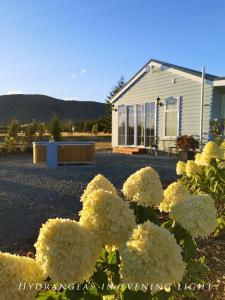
30 194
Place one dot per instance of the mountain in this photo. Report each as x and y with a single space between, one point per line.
41 107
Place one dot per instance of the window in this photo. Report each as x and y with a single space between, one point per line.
140 124
150 123
171 117
130 125
121 125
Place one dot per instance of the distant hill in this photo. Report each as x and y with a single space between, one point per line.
41 107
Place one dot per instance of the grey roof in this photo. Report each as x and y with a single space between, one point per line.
187 70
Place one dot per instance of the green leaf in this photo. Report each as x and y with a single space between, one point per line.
151 215
189 247
127 294
93 291
113 258
50 295
179 233
163 295
73 294
167 224
103 256
89 296
116 278
100 278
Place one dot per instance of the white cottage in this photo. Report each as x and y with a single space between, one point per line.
165 101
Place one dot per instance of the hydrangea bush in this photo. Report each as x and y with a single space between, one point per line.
206 174
137 246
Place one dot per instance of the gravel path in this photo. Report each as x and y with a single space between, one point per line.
30 194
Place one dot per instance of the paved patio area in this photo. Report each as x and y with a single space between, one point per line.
30 194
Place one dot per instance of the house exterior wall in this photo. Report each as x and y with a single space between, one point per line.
218 107
159 83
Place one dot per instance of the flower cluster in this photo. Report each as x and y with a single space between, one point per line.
223 145
16 270
144 187
213 150
66 251
108 216
203 159
192 168
98 182
197 214
151 255
210 151
174 193
181 168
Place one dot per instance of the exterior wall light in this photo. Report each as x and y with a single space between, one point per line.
158 101
113 108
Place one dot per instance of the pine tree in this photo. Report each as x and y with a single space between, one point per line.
14 128
95 129
108 114
54 128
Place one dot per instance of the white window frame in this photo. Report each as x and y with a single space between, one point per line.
178 117
118 124
126 127
135 123
140 146
155 123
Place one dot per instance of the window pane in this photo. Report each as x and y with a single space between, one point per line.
140 124
171 123
171 103
130 125
150 123
121 125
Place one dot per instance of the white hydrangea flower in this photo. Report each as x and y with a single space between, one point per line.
144 187
16 270
192 168
196 214
66 252
174 193
151 255
180 168
98 182
108 216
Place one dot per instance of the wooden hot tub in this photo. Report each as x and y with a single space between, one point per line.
66 152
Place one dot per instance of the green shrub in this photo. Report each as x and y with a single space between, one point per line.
95 129
9 145
55 128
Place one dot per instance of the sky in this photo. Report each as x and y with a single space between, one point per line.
78 49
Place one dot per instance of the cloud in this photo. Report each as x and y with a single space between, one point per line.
83 72
15 92
70 98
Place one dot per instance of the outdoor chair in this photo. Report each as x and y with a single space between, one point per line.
173 148
154 146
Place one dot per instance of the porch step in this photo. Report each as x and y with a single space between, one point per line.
129 150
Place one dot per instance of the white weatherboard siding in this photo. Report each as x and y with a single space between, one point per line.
160 84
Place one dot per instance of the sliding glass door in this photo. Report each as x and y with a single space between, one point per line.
140 124
121 124
150 123
130 125
136 124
